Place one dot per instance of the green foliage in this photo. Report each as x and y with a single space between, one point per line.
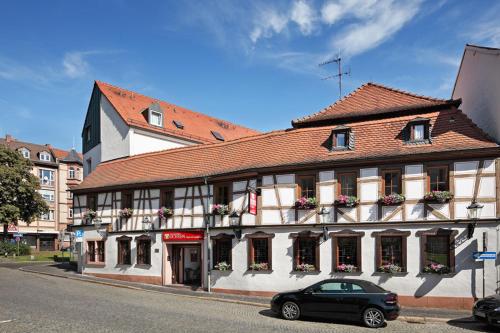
19 198
11 248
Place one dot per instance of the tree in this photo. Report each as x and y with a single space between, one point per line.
19 198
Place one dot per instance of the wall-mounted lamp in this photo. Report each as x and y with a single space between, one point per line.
234 220
147 225
474 213
323 215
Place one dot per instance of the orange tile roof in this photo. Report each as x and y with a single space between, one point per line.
374 139
371 99
197 126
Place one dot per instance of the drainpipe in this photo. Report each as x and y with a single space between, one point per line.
207 225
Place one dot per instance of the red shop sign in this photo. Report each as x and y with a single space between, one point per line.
182 236
252 203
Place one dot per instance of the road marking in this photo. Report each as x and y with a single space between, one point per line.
6 321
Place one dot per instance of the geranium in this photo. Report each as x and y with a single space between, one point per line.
346 268
436 269
90 214
126 212
306 203
305 268
263 266
219 209
347 200
392 199
438 196
390 268
223 266
165 212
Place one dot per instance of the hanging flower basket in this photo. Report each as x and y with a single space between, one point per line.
223 266
346 268
263 266
436 269
126 212
390 268
305 268
90 214
347 201
219 209
306 203
392 199
438 196
165 212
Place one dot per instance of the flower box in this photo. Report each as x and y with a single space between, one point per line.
306 203
222 266
346 268
437 269
305 268
165 212
264 266
126 212
219 209
347 201
438 196
391 199
390 268
90 214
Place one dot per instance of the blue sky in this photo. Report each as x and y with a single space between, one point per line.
251 62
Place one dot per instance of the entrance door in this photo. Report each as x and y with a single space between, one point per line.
186 264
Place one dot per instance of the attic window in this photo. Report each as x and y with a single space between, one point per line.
156 118
178 124
342 138
25 152
217 135
44 156
418 131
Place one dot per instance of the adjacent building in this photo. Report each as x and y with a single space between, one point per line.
478 85
376 186
121 123
58 171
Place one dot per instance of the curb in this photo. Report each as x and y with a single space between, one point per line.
408 319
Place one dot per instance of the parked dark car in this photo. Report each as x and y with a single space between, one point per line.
488 310
347 299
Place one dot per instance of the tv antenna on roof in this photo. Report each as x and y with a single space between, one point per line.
339 75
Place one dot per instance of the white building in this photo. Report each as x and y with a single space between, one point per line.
121 123
478 85
319 213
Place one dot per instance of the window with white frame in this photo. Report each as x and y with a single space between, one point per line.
25 152
71 173
156 119
47 195
46 177
49 216
44 156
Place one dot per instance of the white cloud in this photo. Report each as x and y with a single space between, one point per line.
376 22
75 65
304 15
269 22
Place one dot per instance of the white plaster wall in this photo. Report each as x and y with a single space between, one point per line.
145 142
114 133
478 84
465 283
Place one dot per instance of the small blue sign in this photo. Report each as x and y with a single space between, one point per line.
18 235
484 255
79 233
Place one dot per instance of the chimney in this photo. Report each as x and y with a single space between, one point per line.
48 145
9 138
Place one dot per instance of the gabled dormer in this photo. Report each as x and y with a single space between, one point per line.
44 156
154 115
417 131
342 138
25 152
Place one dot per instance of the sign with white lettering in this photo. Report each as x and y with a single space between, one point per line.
252 202
484 255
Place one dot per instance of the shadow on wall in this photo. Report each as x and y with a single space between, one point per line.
463 260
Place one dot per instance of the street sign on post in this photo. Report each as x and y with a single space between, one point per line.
18 235
12 228
484 255
79 234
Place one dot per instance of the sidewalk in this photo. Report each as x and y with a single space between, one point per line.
64 270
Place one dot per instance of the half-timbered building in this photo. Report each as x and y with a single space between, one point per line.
376 186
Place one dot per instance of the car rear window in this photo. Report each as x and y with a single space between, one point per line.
373 288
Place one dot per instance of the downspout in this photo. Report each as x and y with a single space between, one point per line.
207 225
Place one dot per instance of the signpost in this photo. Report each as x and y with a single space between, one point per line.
252 202
79 234
484 255
12 228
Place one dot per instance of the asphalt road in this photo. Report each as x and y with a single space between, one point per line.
38 303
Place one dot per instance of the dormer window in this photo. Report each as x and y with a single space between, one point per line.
342 138
156 118
25 152
418 131
44 156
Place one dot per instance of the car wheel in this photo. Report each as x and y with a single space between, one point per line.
373 317
290 311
